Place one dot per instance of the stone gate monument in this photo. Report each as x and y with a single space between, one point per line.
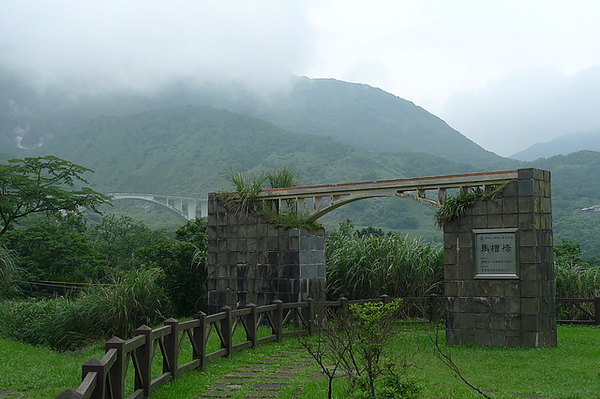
499 274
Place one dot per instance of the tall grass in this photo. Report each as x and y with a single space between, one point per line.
8 273
371 265
576 280
96 313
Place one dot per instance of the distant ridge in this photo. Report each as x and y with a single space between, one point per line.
562 145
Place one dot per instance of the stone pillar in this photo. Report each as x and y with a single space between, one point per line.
250 260
499 270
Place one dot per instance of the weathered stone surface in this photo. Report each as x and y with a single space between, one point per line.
250 259
504 312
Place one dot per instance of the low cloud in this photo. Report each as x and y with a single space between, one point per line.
525 108
140 44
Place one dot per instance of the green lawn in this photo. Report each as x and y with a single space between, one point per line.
569 371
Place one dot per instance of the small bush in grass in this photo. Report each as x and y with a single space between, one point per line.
355 343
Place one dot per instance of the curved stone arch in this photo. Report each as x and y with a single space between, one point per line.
352 198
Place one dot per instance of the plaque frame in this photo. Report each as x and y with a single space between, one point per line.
500 239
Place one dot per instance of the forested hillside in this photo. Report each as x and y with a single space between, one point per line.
188 150
575 185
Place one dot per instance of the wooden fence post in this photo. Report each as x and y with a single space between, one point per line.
118 370
143 356
171 342
344 306
597 308
69 394
251 321
199 335
226 325
95 365
434 304
309 316
278 319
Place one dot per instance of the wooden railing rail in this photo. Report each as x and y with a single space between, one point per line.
592 313
106 378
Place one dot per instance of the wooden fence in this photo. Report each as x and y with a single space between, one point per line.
106 378
580 310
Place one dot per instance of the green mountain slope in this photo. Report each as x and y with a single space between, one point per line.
575 186
187 150
356 114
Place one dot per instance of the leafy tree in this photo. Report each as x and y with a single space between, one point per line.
120 239
43 184
54 249
184 266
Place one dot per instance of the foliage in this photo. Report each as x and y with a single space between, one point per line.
53 249
247 188
282 178
371 265
454 207
37 185
245 199
98 312
120 240
133 299
575 277
8 273
184 266
354 342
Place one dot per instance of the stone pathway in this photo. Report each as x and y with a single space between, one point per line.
262 379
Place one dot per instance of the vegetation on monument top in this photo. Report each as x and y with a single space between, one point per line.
245 199
454 207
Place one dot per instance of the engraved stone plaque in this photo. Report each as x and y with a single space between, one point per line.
495 253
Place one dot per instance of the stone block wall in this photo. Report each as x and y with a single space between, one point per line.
250 260
509 312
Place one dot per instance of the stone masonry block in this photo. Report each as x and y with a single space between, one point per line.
526 188
510 220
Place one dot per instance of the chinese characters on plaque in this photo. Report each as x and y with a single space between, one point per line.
495 253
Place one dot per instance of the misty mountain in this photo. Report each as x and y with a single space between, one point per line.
353 114
188 150
561 146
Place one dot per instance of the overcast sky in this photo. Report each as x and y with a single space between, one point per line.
506 73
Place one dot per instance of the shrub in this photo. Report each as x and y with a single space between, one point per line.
97 313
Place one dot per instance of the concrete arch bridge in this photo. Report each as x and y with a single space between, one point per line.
187 207
316 201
